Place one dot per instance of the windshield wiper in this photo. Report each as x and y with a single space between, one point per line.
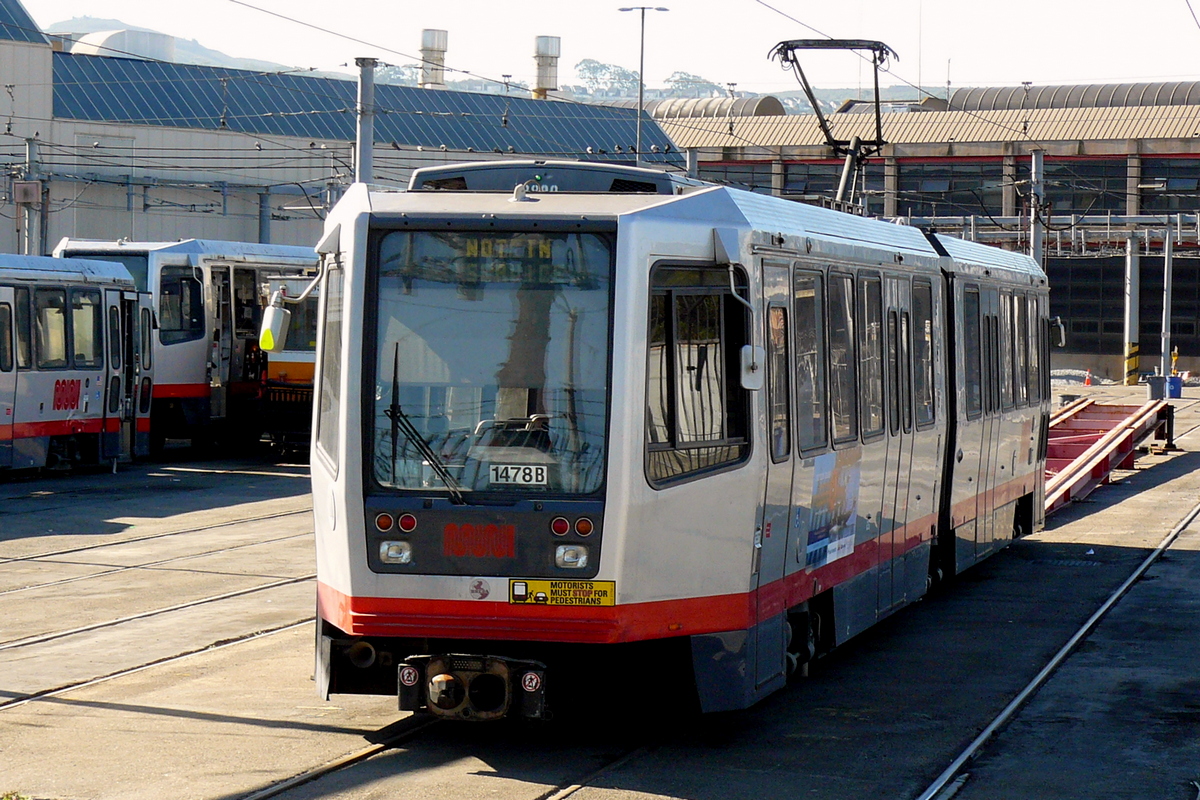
401 422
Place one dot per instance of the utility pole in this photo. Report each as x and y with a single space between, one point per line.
1036 227
365 140
1168 253
1132 299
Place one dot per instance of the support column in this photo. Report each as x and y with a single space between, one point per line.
1168 253
364 152
264 217
1008 187
1132 299
1133 179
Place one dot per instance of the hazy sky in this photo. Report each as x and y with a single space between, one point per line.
1043 41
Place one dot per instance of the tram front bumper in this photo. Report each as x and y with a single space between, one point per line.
471 687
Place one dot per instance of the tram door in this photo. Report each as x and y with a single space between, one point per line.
772 536
897 301
117 439
140 307
8 373
221 344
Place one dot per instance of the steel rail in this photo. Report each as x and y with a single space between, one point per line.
221 645
1017 702
147 537
49 637
150 564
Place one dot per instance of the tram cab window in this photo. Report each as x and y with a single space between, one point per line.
843 400
50 313
24 329
809 303
6 338
87 328
922 321
973 373
180 306
696 415
870 356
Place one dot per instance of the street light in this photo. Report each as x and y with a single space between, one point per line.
637 158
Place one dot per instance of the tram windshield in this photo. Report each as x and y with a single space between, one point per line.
491 368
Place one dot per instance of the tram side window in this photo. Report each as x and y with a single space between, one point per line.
696 419
1035 351
778 363
810 359
870 353
331 368
50 313
922 318
180 306
843 407
87 328
114 336
6 338
1020 348
973 375
24 330
1006 347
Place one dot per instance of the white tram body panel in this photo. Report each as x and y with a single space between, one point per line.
74 385
781 464
208 296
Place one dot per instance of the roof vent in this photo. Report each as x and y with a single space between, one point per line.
433 58
546 51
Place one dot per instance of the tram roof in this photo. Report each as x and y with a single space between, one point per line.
212 247
725 206
45 268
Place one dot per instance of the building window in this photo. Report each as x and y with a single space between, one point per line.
748 175
1170 184
950 188
1085 186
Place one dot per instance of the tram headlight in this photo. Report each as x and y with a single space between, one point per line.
395 552
571 556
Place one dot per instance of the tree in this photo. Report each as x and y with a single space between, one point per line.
607 78
689 85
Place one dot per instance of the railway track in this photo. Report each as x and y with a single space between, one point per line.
952 777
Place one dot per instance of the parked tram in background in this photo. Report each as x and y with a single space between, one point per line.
209 297
76 365
694 433
288 393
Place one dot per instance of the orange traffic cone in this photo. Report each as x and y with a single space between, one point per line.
1088 380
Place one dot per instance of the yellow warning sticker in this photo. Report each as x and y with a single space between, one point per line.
562 593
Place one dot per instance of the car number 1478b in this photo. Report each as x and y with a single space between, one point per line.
519 474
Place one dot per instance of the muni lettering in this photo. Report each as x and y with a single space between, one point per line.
480 541
66 394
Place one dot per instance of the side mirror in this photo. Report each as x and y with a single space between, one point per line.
1057 324
273 334
754 367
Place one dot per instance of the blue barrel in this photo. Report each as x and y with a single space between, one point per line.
1174 386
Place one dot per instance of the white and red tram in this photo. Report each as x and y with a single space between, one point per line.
76 369
733 427
208 296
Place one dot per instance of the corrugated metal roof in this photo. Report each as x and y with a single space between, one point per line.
138 92
17 26
1101 95
1031 126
